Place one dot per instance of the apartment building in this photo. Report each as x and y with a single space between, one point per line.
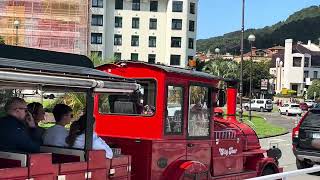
296 66
154 31
58 25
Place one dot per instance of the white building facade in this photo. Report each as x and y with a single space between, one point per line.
296 66
154 31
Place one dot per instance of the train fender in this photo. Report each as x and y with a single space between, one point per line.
177 170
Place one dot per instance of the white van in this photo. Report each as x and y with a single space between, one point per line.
259 105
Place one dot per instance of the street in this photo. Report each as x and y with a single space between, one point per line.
287 160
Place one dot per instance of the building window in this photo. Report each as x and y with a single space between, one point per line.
119 4
152 41
117 39
117 56
151 58
305 75
136 5
135 23
97 20
134 40
96 38
296 62
192 8
176 24
175 41
153 23
97 3
177 6
154 6
134 56
96 53
191 42
191 26
118 22
175 60
315 74
306 62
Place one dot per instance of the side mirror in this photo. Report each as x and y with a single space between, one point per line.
221 98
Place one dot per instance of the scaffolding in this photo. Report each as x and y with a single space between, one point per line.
58 25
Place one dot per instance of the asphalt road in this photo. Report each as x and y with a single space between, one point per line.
287 160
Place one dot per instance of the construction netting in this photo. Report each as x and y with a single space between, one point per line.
58 25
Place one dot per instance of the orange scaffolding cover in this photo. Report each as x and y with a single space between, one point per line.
59 25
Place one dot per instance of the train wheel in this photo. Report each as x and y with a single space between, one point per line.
267 171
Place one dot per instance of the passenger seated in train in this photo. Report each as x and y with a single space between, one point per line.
56 135
76 137
18 129
37 112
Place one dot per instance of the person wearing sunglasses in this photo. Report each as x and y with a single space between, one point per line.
38 113
56 135
17 129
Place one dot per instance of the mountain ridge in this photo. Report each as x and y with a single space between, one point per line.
302 26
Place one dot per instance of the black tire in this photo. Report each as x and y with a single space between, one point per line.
303 164
246 108
267 171
269 110
280 112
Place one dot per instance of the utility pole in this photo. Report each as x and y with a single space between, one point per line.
241 62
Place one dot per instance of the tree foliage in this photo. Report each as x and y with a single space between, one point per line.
231 69
314 88
303 25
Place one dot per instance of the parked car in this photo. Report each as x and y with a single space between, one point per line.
310 102
304 106
290 109
306 140
260 105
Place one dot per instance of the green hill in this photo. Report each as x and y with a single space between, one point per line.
302 26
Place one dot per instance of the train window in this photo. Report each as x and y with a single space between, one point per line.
140 102
174 117
198 119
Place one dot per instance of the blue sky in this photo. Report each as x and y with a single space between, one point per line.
217 17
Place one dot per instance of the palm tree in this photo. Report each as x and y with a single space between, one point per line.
222 68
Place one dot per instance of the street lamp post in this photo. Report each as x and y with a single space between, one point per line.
281 63
277 66
16 24
241 61
251 39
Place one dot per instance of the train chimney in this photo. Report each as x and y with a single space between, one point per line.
231 98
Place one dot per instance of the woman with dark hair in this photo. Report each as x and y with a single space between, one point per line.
76 137
37 112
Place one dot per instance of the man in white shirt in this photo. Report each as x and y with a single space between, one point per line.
56 135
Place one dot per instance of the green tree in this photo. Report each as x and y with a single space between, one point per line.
314 88
222 68
259 70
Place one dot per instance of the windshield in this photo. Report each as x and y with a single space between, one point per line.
295 105
140 102
312 119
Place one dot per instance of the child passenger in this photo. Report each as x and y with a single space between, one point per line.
76 138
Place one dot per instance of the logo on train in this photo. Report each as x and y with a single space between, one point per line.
227 152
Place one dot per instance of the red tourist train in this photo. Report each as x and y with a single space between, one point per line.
159 120
180 138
